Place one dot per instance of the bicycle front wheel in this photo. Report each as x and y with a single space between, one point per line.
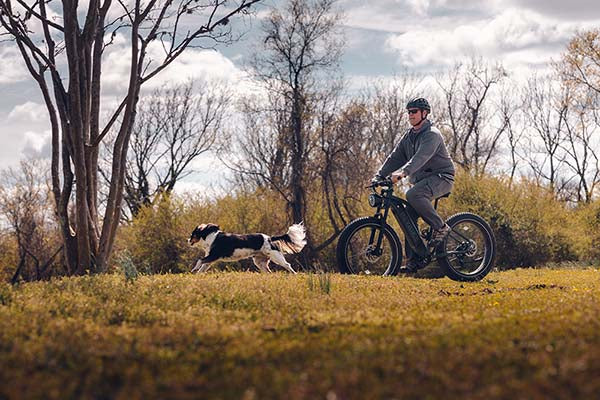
365 248
468 253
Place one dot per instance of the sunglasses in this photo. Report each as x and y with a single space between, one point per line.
413 111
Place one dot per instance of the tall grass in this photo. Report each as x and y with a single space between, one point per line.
321 283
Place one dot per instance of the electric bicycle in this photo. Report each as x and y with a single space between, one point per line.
369 245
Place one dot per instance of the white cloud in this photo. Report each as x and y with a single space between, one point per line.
199 64
115 67
29 112
191 64
515 36
561 9
20 141
414 15
419 7
13 68
417 34
372 17
209 177
37 144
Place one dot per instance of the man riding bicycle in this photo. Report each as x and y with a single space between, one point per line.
422 156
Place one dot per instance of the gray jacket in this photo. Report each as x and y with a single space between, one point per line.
420 154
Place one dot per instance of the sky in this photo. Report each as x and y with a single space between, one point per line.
383 38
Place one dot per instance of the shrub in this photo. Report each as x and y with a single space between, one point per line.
156 239
9 258
530 225
587 234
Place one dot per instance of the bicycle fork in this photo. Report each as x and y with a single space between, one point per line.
408 226
382 219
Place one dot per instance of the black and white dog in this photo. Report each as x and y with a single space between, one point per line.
220 246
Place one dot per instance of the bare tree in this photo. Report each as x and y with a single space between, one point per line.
388 110
300 44
343 162
511 112
296 69
65 59
547 109
582 149
261 153
25 204
579 70
580 64
467 91
175 125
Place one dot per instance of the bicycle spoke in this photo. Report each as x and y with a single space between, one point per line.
363 256
465 247
455 231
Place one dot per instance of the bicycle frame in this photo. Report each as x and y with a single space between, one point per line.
400 209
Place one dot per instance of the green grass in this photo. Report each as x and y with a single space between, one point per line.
519 334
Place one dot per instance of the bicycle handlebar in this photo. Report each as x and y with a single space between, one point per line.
384 182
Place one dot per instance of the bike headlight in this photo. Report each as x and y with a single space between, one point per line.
374 200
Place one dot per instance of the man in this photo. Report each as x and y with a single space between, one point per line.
422 156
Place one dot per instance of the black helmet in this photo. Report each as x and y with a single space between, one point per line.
420 103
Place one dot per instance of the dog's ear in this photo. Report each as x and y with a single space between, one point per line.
197 230
208 229
203 230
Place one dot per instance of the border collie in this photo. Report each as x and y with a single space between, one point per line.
220 246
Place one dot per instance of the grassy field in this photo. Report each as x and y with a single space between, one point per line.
528 334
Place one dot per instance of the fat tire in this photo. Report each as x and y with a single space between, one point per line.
360 223
490 257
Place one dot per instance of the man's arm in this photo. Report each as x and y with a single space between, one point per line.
427 148
393 162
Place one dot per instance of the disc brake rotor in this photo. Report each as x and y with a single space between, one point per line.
471 249
468 249
371 254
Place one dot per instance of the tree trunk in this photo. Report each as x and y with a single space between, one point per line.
298 193
115 196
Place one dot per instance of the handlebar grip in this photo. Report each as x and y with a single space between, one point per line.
384 182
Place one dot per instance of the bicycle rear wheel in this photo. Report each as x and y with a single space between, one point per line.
357 251
468 253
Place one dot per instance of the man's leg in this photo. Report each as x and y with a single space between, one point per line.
410 254
421 195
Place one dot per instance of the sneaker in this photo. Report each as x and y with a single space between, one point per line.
440 234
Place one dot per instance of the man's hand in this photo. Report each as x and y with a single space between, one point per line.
376 178
397 177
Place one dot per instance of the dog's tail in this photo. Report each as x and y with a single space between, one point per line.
293 241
